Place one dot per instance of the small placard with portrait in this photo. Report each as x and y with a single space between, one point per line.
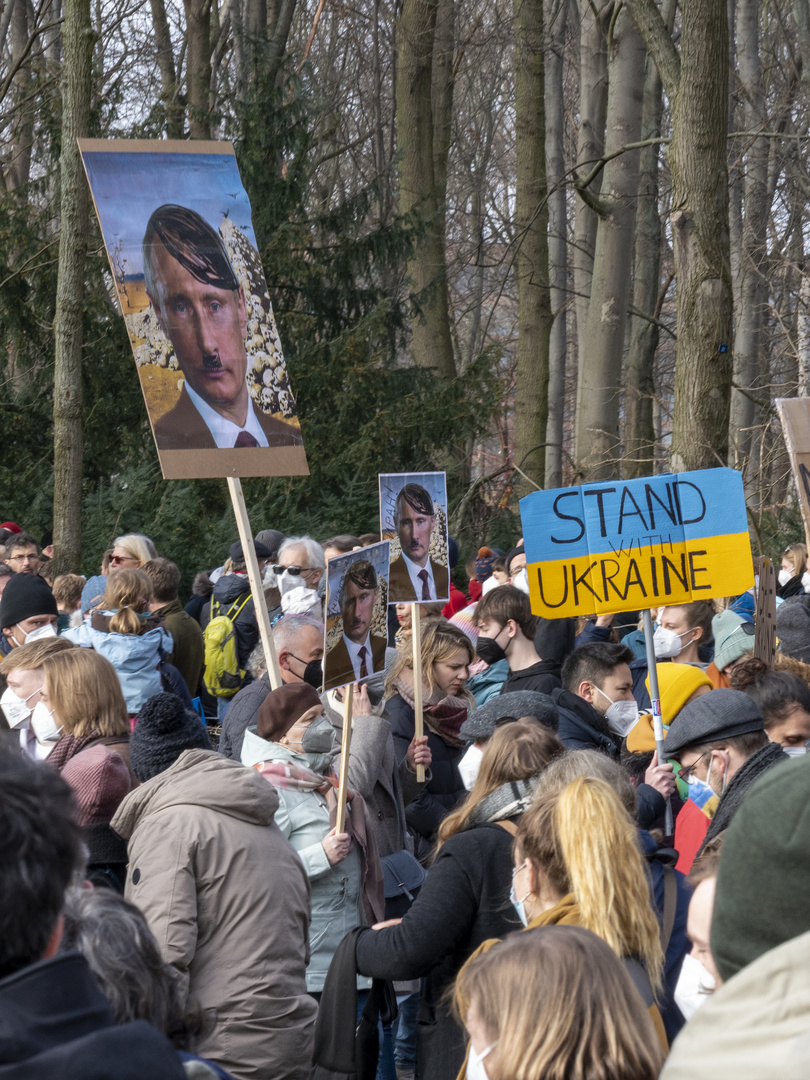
356 615
413 516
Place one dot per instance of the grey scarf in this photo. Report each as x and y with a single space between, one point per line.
508 801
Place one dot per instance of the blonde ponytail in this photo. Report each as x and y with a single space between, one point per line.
599 846
126 621
128 593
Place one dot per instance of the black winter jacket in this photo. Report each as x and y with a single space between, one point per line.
542 677
444 789
463 902
229 592
56 1023
241 714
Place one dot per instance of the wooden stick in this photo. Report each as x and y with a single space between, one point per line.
345 746
255 579
655 698
418 719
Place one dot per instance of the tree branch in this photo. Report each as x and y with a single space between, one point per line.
659 43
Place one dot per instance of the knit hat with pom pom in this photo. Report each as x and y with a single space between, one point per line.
163 730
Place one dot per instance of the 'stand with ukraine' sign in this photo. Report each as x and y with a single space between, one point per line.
626 545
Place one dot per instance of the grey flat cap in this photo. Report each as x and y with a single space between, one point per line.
482 723
272 540
720 714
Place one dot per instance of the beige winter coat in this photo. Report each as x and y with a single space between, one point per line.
227 898
755 1027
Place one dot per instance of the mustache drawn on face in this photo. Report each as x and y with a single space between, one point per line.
211 362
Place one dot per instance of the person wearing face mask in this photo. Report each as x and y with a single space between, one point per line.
699 976
782 698
293 746
22 674
465 897
790 579
478 729
555 1001
719 740
559 879
28 612
298 640
300 575
446 657
506 632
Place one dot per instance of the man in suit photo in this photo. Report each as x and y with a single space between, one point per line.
357 653
200 306
414 575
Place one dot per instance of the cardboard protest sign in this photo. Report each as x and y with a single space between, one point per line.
177 228
413 516
625 545
356 615
795 416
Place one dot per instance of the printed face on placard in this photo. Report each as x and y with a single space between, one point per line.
177 227
413 515
356 615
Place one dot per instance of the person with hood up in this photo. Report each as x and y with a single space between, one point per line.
292 747
123 631
223 892
465 897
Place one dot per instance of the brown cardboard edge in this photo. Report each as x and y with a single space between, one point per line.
210 464
155 146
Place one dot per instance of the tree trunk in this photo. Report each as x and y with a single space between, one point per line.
639 426
531 212
22 128
752 286
557 20
697 85
74 202
803 338
432 343
599 396
168 72
198 67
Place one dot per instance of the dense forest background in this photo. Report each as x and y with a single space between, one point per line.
531 244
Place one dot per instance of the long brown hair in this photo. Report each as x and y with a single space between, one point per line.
585 842
515 752
128 593
559 1005
439 641
84 693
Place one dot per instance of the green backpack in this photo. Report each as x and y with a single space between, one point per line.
222 675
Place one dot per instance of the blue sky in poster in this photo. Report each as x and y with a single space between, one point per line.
127 187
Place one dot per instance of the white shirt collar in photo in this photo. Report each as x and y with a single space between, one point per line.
415 570
354 655
224 431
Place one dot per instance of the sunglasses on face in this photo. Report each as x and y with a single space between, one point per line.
293 570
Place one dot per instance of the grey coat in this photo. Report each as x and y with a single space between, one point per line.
375 774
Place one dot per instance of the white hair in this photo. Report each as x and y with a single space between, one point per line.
287 631
138 545
313 549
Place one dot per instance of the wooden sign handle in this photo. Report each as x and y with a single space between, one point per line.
255 579
345 746
418 718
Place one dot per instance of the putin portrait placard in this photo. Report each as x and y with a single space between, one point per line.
177 229
356 615
413 515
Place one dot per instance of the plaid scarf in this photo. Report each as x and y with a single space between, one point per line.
443 714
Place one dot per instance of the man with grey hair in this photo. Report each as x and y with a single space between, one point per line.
299 647
357 653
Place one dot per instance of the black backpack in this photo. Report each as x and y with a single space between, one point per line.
343 1048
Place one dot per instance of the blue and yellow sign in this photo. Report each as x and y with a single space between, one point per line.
627 545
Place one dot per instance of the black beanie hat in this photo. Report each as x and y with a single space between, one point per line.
26 595
163 730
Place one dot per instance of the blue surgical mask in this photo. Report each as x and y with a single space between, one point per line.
519 905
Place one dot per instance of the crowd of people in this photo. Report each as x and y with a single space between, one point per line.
182 894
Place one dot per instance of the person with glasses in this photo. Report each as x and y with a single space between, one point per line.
720 743
130 552
300 557
22 554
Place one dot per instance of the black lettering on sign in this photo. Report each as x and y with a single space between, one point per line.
654 574
696 570
668 508
548 603
804 474
681 519
666 566
607 579
627 496
580 580
568 517
600 494
633 579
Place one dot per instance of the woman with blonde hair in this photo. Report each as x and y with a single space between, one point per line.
465 898
123 630
446 657
131 551
578 863
80 704
794 564
555 1003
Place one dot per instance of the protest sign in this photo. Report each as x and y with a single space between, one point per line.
413 516
795 416
177 229
356 615
625 545
765 617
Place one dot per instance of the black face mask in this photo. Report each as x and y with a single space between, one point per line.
313 672
489 650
